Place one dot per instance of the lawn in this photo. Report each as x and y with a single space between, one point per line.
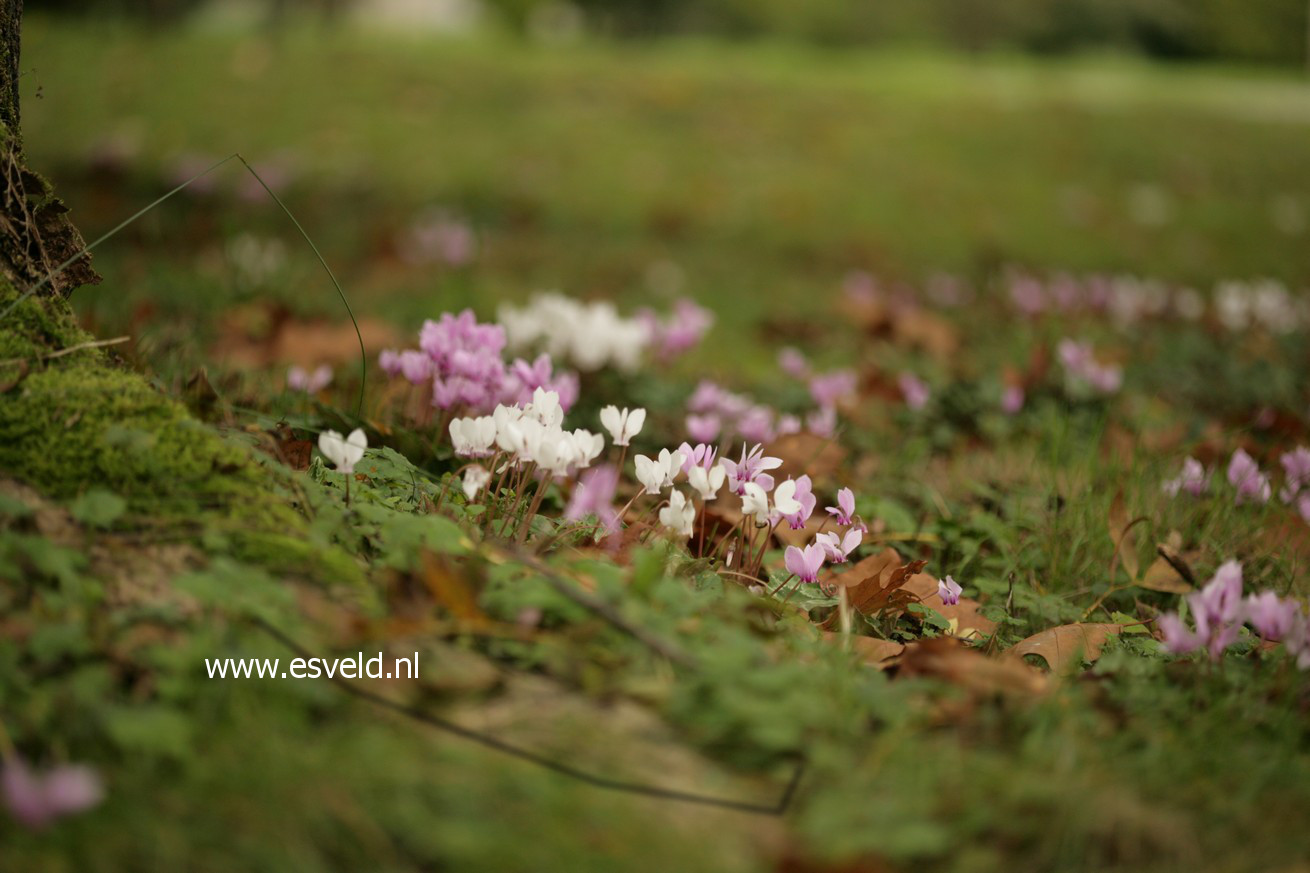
934 234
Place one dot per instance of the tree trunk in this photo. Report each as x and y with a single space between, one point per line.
36 236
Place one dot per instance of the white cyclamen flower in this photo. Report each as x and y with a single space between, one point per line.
473 437
623 424
784 499
588 447
656 474
754 501
707 483
475 479
343 452
678 515
545 408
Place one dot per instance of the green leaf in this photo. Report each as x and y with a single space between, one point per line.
98 508
13 507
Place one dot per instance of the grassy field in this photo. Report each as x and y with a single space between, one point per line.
753 178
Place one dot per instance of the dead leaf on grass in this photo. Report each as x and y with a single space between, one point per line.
966 619
955 662
875 584
1067 644
872 650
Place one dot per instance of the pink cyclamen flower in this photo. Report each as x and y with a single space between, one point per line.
1012 399
1194 479
829 389
753 467
915 391
389 362
37 800
756 425
700 455
1296 466
1217 611
311 382
594 495
685 327
793 363
704 428
1245 476
804 563
845 508
415 366
822 422
1303 506
1270 615
837 547
949 591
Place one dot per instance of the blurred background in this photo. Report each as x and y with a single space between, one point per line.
756 155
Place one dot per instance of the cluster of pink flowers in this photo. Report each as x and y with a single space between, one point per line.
681 331
831 547
1082 368
717 414
462 361
1218 612
1251 484
38 799
438 236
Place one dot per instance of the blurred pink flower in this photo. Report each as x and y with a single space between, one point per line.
1012 399
915 391
793 363
311 382
1194 479
37 800
1245 476
703 428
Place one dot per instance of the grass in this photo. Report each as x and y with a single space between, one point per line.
765 173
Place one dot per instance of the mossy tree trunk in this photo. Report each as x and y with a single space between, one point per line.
36 235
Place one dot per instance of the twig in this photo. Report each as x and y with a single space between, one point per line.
96 344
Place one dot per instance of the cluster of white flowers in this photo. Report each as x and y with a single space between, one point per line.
1264 302
589 335
533 434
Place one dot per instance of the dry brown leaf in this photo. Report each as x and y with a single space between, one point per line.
807 453
926 330
1121 535
1162 576
968 621
1060 646
873 651
451 590
874 584
953 661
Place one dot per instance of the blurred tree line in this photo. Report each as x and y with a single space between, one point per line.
1262 31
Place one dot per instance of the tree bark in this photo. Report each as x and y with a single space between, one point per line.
36 235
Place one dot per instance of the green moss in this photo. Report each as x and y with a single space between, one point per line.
80 420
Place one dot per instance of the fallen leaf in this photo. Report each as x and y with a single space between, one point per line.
953 661
1060 646
295 453
874 651
875 584
807 453
451 590
1121 534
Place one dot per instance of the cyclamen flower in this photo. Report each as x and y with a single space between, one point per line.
473 437
1271 616
845 508
831 388
415 366
838 548
623 424
595 496
343 452
801 495
656 474
706 483
1081 366
1012 399
1194 479
804 563
752 467
699 455
1217 611
1245 476
787 424
545 408
949 591
389 362
704 428
756 425
1296 466
36 800
755 502
685 327
915 391
475 479
300 379
822 422
523 379
679 515
793 363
